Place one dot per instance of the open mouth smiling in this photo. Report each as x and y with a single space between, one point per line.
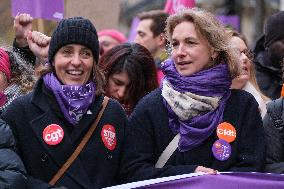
74 72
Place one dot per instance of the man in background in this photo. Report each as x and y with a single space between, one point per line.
151 34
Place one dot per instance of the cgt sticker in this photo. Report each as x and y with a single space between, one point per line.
108 136
53 134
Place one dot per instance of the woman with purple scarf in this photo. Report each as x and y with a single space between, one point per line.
194 122
50 122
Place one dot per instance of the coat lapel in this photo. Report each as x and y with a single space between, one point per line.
62 151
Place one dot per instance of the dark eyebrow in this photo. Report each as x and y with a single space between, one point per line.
139 31
188 38
118 81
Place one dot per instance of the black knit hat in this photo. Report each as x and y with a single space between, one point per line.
274 28
75 30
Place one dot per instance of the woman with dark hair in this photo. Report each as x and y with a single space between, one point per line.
130 73
68 134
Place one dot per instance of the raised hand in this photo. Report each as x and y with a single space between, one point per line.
39 44
22 26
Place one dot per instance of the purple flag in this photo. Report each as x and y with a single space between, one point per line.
133 32
46 9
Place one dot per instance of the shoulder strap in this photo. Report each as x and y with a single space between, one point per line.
79 148
275 110
167 153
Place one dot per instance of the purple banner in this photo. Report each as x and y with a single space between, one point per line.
225 181
45 9
232 21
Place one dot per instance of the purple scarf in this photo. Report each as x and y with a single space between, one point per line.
73 100
212 82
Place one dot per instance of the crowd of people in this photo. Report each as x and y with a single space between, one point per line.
87 109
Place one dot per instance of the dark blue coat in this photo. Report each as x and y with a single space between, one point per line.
12 170
148 135
95 167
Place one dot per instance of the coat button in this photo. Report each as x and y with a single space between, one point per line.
109 156
44 157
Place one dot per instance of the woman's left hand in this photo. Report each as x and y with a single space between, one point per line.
205 170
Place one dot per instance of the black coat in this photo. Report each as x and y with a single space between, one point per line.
12 170
268 75
148 134
95 167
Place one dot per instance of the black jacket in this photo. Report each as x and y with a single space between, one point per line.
273 124
95 167
148 134
269 77
12 171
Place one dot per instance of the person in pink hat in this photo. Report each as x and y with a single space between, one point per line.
110 38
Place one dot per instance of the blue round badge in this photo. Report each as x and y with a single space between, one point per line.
221 150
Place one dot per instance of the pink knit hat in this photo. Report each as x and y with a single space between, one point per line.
5 63
114 34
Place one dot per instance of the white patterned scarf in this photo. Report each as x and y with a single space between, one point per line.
187 105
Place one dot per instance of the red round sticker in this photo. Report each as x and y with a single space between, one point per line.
109 136
53 134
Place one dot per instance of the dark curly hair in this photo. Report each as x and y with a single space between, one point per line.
22 73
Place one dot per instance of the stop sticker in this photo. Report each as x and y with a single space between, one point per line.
109 136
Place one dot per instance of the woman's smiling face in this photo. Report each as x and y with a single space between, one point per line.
74 64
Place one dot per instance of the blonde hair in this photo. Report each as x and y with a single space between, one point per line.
252 77
212 30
